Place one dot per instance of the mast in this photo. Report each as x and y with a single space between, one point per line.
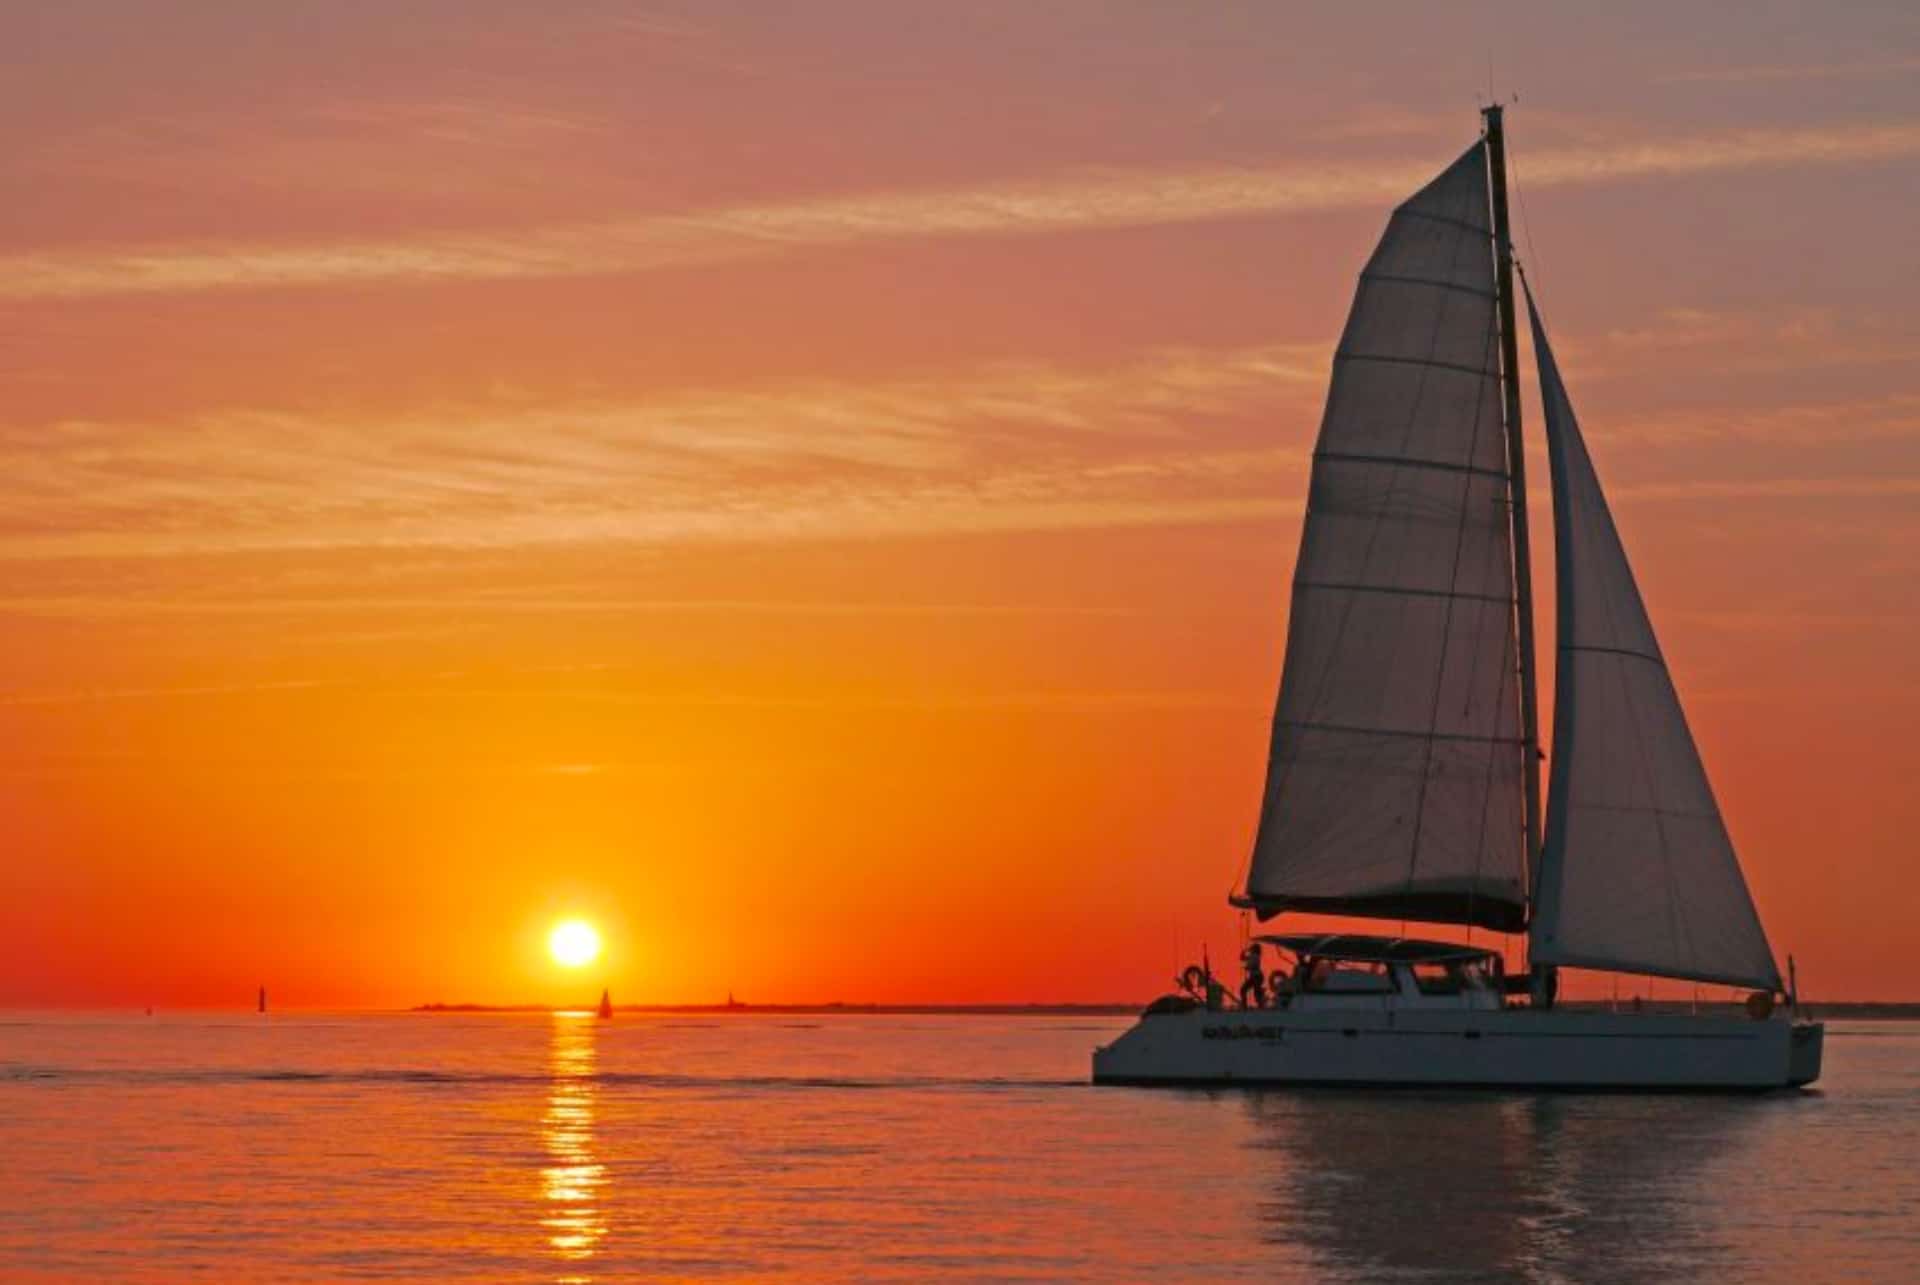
1517 469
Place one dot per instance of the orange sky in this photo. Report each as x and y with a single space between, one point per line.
814 491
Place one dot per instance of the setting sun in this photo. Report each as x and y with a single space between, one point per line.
573 943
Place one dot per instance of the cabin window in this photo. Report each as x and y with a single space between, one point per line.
1439 979
1346 976
1452 977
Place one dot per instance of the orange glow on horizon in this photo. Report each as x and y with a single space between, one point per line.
836 542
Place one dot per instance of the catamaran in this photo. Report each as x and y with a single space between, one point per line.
1403 779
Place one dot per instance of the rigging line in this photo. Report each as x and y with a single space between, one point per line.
1487 792
1446 622
1520 198
1523 680
1508 646
1508 652
1508 656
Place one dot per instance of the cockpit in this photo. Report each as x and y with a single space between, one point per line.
1344 970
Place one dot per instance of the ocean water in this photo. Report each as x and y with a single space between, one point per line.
560 1148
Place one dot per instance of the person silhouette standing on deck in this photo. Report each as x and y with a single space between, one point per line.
1254 981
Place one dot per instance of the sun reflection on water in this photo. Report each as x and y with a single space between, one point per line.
572 1181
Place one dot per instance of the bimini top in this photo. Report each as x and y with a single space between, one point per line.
1351 948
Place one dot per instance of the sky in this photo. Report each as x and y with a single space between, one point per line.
813 489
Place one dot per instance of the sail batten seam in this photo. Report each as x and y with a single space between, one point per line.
1400 732
1434 282
1647 656
1432 363
1477 229
1407 461
1338 586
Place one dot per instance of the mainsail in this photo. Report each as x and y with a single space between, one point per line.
1638 873
1394 780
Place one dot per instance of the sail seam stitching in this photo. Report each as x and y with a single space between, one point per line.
1448 219
1395 589
1427 281
1456 366
1615 651
1394 731
1638 809
1397 461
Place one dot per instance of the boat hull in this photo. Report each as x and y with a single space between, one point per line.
1514 1048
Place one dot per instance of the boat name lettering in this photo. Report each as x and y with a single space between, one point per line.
1242 1032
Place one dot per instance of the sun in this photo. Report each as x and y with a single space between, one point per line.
573 943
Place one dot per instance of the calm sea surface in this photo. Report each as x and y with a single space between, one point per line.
529 1147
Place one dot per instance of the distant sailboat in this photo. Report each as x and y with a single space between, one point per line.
606 1003
1403 780
263 1000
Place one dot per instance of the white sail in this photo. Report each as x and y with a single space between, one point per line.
1394 778
1638 873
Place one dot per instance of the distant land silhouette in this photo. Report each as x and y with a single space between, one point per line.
1010 1010
1857 1010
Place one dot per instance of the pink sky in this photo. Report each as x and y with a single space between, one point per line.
815 488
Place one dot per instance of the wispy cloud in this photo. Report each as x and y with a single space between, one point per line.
98 695
1717 153
1777 488
1760 363
326 144
1165 437
589 601
1807 424
1170 436
1105 199
1793 71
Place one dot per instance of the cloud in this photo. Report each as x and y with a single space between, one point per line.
1103 199
329 144
590 601
1809 424
1802 71
1168 436
1716 153
96 695
1775 488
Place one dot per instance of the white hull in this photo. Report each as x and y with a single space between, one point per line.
1507 1048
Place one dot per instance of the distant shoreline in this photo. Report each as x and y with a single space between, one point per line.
1858 1010
814 1010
